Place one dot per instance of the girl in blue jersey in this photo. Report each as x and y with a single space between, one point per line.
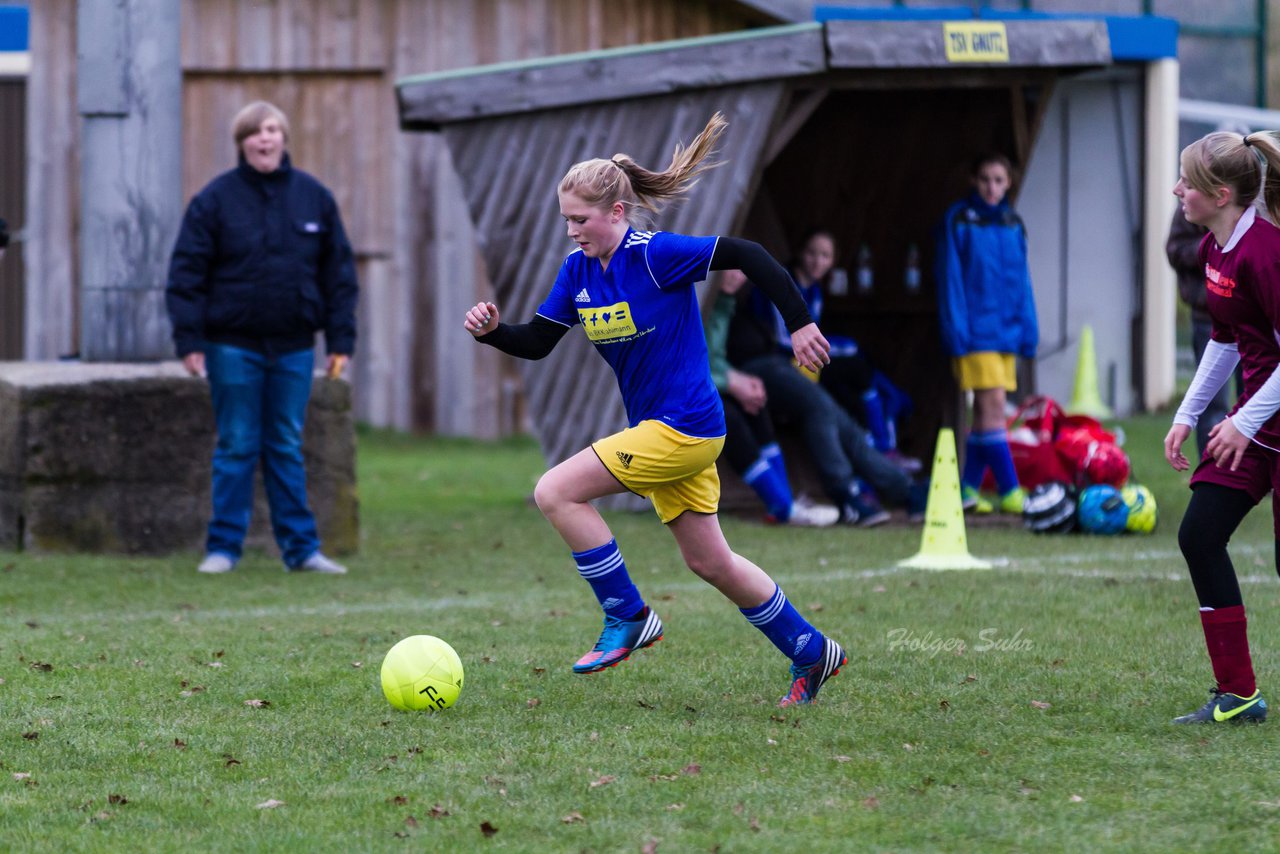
632 293
988 315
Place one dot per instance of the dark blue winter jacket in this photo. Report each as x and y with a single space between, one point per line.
262 262
985 301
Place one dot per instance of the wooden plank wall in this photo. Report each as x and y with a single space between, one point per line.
331 65
13 195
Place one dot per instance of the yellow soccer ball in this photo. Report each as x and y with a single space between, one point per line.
1142 509
421 673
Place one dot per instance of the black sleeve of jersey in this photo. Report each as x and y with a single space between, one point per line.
532 340
733 253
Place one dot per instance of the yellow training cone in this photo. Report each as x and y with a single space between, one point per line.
1084 397
943 545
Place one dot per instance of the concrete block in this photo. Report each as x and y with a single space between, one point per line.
115 458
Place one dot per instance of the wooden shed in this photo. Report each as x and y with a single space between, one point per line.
865 127
331 65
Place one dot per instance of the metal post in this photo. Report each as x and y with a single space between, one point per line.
129 93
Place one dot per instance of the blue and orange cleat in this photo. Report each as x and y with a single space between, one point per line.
1223 707
807 681
619 639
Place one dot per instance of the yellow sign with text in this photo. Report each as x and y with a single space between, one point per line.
607 322
975 41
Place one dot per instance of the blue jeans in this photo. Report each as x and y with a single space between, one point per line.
259 403
840 448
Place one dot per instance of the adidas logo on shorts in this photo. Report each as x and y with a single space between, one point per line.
625 459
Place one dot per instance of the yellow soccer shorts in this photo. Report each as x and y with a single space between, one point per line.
986 369
675 471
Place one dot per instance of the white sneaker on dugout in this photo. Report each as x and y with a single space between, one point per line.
321 564
805 513
216 563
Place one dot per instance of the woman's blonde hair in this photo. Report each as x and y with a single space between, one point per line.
251 117
1226 159
601 183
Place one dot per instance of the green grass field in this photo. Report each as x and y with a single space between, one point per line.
1025 708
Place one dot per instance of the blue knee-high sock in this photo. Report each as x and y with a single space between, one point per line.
1000 458
775 495
786 629
975 461
778 472
881 428
603 569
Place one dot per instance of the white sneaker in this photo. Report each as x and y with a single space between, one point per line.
216 563
321 564
807 514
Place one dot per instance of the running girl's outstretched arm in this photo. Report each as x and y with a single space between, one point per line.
532 340
811 348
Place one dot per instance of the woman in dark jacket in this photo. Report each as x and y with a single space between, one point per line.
988 316
261 263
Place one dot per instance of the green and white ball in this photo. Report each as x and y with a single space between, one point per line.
1142 509
422 673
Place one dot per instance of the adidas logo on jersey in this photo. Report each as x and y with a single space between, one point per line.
638 238
625 459
582 296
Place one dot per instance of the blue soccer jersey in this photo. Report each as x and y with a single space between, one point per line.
642 316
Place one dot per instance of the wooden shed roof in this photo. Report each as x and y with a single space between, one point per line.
431 101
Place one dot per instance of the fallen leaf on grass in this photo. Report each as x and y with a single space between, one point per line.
1040 704
398 800
970 678
674 807
41 666
229 760
1076 799
437 811
117 799
32 624
871 803
908 747
258 704
270 804
101 816
754 824
843 758
31 736
574 817
357 664
603 781
487 829
179 743
650 847
22 775
691 769
410 822
642 704
216 664
653 778
533 702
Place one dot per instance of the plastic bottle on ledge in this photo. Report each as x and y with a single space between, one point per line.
838 286
911 275
865 275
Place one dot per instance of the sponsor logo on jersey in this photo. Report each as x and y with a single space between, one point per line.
625 458
607 323
1223 286
637 238
582 296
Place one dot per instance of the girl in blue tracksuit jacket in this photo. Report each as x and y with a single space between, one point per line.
988 318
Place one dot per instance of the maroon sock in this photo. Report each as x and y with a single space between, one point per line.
1226 636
